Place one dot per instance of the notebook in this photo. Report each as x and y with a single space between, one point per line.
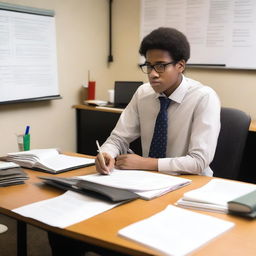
48 160
215 195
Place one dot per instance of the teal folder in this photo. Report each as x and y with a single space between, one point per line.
244 205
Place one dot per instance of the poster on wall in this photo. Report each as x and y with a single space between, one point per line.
28 60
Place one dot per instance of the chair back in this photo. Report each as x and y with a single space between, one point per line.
231 142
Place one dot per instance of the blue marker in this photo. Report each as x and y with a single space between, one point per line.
27 130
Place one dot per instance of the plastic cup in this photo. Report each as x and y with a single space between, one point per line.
26 142
20 142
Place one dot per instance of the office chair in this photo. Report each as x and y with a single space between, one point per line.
231 142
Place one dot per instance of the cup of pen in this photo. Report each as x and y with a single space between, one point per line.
23 141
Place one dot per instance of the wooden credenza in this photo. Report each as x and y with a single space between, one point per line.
97 123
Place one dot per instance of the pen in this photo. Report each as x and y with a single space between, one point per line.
100 153
27 130
129 151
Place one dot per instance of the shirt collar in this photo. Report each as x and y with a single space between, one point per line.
179 93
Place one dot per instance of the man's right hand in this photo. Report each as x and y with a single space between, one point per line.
108 166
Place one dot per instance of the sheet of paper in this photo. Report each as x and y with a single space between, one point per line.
6 165
176 231
65 210
135 180
159 192
62 162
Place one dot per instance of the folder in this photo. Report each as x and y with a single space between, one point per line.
91 188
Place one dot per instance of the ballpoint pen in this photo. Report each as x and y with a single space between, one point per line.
100 153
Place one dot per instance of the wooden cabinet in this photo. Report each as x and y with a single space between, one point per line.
96 124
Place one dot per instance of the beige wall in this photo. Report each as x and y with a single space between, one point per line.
82 44
81 27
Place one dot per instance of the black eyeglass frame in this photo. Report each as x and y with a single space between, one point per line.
162 65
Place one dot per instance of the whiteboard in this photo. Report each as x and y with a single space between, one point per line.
222 33
28 61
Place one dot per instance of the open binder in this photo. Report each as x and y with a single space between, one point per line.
91 188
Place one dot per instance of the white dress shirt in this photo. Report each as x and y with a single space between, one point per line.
193 127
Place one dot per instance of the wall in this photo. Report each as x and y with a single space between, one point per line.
81 27
82 44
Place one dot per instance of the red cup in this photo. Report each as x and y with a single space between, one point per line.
91 90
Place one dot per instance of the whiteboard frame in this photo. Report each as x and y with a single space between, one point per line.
35 11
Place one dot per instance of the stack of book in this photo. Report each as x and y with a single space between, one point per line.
223 196
11 174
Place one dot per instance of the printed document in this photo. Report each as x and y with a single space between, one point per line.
65 210
176 231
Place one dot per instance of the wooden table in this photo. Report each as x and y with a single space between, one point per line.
102 229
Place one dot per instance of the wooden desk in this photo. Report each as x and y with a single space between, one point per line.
102 229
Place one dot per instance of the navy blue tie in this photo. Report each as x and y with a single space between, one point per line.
159 140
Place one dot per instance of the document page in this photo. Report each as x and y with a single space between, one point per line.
65 210
176 231
61 162
135 180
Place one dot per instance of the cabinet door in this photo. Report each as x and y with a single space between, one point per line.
91 126
97 125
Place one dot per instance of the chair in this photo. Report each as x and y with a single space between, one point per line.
231 142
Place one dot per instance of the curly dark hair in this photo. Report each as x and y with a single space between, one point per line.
168 39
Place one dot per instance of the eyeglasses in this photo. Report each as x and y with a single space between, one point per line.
159 68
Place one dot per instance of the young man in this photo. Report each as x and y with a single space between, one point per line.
182 137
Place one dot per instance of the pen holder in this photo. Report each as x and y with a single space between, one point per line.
26 142
20 142
84 93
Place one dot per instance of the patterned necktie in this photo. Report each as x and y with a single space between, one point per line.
159 140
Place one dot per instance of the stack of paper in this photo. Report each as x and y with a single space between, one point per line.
215 195
146 184
11 174
176 231
48 160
